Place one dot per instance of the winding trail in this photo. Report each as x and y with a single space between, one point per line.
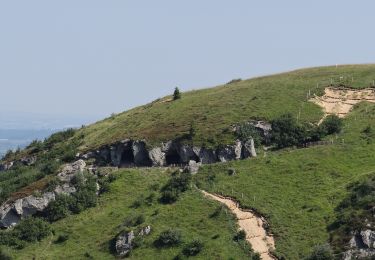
256 235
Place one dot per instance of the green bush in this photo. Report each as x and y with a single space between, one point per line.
193 248
322 252
332 124
176 94
134 220
168 238
286 131
59 208
247 131
32 229
178 183
241 235
62 238
83 199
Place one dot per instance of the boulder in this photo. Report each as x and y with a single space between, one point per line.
248 149
124 243
362 245
193 167
145 231
157 157
70 170
238 150
33 204
65 188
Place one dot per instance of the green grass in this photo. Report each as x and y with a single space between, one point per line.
92 230
213 110
298 190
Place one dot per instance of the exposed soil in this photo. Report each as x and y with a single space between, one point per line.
340 101
256 235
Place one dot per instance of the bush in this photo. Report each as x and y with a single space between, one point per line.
247 131
134 220
180 182
322 252
286 131
176 94
32 229
332 124
193 248
241 235
83 199
62 238
4 254
168 238
59 208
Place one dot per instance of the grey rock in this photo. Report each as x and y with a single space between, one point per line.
193 167
28 160
65 188
70 170
226 153
145 231
18 206
8 217
141 157
124 243
368 238
6 166
186 153
32 204
206 156
248 149
238 150
157 157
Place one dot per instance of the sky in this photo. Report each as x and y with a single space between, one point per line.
86 59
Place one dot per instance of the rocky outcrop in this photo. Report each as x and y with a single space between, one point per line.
11 212
130 153
124 242
6 166
362 245
192 167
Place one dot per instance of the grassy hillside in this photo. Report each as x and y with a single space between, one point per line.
91 232
213 110
298 190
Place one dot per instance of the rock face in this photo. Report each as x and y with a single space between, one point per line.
11 212
362 245
124 242
130 153
6 166
193 167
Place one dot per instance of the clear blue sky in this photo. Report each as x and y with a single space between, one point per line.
92 58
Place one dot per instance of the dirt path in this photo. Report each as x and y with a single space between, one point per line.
256 235
340 102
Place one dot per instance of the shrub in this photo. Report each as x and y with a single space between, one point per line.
83 199
286 131
247 131
180 182
241 235
32 229
59 208
62 238
193 248
134 220
332 124
137 241
176 94
170 237
4 254
322 252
